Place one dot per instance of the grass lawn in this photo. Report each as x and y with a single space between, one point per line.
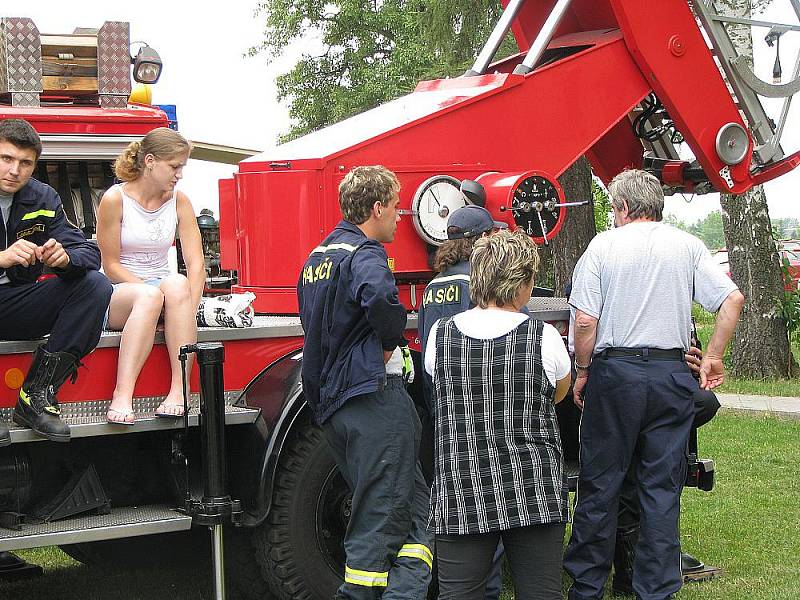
739 385
749 525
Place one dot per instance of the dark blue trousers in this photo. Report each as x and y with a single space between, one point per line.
70 310
374 439
636 412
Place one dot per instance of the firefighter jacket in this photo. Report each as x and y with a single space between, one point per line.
446 295
37 215
350 313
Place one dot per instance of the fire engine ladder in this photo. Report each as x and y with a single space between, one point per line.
746 86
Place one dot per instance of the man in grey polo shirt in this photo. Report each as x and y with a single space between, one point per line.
633 291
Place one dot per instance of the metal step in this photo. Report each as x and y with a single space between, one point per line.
128 521
88 419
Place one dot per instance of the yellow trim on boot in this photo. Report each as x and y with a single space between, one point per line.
419 551
366 578
53 410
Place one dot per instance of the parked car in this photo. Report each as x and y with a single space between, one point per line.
788 250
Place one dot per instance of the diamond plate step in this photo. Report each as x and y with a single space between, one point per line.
128 521
88 419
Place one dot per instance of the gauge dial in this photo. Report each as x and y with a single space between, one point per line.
534 205
434 201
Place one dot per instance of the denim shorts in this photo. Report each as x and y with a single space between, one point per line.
156 281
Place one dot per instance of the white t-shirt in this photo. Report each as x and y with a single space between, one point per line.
639 281
146 237
490 323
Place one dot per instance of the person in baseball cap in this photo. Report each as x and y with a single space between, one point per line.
471 221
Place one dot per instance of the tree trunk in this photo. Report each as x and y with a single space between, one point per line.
760 344
579 227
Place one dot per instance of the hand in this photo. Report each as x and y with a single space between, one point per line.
712 373
387 354
21 252
577 388
693 359
54 255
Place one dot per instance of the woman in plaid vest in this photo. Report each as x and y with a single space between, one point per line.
497 375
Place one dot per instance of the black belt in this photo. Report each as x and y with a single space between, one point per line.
643 353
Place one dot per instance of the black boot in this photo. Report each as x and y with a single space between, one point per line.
622 584
37 405
689 564
5 436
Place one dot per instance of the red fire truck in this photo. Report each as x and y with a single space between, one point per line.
608 79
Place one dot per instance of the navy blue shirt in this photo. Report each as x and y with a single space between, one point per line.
37 215
351 313
446 295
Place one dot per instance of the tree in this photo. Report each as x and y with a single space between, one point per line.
760 344
710 230
371 51
374 51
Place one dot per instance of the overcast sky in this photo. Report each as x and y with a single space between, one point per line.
228 98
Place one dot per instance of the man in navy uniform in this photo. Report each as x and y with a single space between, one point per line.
633 290
355 363
69 307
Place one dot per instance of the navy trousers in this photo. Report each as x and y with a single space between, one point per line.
636 412
70 310
374 439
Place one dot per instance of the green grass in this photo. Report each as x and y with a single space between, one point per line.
748 526
67 579
742 385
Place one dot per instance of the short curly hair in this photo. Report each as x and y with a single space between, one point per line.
501 264
362 187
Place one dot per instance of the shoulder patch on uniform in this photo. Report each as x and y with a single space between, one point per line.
448 294
30 231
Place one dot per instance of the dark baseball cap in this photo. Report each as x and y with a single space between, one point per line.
471 221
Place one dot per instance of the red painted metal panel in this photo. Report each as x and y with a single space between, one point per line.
244 359
229 254
134 120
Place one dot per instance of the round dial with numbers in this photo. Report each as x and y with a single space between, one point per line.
434 201
534 203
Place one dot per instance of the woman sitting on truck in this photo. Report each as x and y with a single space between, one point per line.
498 469
136 225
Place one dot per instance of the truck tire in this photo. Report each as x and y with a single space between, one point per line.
300 546
243 576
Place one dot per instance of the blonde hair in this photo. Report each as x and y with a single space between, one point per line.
501 264
162 143
362 187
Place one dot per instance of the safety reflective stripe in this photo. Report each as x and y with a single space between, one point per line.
38 213
366 578
420 551
340 246
450 278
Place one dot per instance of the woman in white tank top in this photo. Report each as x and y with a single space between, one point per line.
136 225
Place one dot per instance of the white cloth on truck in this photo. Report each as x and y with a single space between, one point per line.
231 310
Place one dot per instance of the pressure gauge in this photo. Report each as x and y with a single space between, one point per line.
434 201
535 205
535 199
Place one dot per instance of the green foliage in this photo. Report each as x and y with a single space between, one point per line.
789 304
370 51
710 230
602 207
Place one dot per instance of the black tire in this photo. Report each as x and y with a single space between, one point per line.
179 549
243 576
300 547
